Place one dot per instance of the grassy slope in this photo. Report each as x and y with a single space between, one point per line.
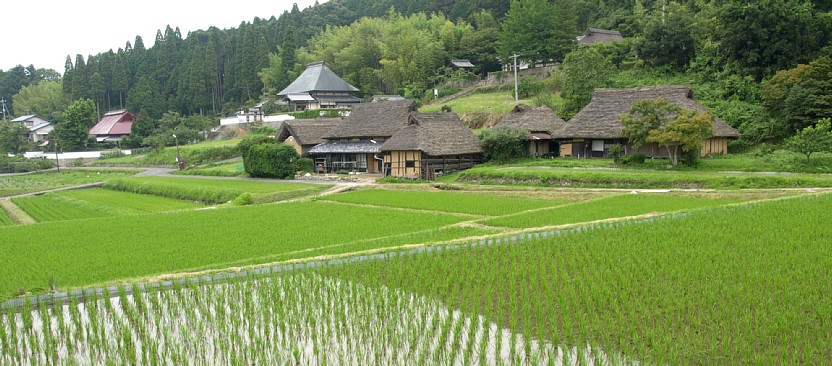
85 252
746 285
19 184
214 190
493 102
635 178
475 204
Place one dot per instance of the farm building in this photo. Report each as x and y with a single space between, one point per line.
114 126
304 134
597 127
593 36
354 143
430 145
319 87
541 122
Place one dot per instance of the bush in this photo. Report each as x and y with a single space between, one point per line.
263 130
244 199
634 159
23 165
503 144
446 108
271 160
528 87
254 139
616 152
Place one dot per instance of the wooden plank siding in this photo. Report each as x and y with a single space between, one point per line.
405 164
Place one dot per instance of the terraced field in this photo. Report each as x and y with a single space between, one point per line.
91 203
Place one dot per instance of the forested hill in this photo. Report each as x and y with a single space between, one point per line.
397 46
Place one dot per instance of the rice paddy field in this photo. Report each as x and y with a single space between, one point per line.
19 184
4 218
422 276
92 203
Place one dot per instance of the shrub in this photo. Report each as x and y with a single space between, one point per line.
446 108
254 139
244 199
503 144
263 130
271 160
528 86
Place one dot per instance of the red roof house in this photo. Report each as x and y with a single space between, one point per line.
114 126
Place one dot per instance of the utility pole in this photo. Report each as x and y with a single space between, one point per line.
3 100
516 94
57 162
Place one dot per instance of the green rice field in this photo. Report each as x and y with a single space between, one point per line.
737 284
121 248
20 184
465 203
609 207
4 218
91 203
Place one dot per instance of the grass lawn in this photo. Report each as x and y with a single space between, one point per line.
493 102
200 153
20 184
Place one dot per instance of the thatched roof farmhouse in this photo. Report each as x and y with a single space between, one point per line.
304 134
542 124
598 126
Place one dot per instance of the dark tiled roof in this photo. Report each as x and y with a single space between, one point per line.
374 120
346 147
23 118
533 119
435 134
318 77
307 131
600 119
463 63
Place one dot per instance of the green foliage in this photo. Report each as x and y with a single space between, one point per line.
28 183
73 131
528 87
45 99
799 97
645 116
12 138
812 139
253 139
263 130
583 70
271 160
538 30
244 199
23 165
762 37
668 38
502 144
686 131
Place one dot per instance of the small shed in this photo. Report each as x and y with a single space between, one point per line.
595 35
432 144
541 122
598 126
460 63
304 134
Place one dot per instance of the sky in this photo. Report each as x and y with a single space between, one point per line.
44 32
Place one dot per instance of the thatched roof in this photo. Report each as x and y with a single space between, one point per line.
317 77
346 147
594 35
533 119
374 120
435 134
600 119
307 131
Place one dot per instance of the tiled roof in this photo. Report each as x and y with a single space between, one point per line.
118 122
317 77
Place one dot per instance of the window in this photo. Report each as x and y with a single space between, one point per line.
597 145
410 164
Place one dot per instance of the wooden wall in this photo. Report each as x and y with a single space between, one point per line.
398 162
714 146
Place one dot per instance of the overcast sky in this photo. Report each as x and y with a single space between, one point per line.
43 33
